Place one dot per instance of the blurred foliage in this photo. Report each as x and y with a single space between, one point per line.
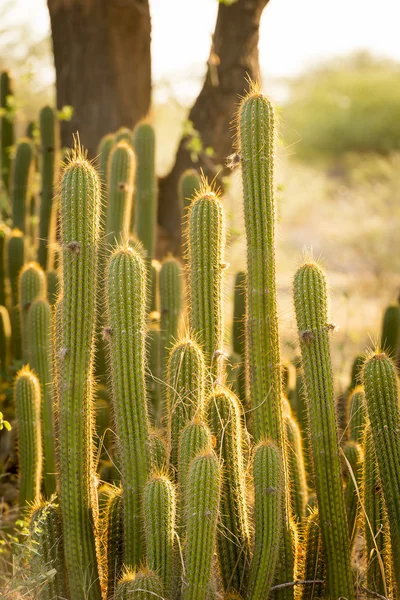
349 104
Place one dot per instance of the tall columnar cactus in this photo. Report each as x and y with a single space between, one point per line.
185 391
238 329
21 177
121 172
310 298
15 262
40 359
154 305
5 341
112 537
357 414
189 185
103 151
126 299
268 489
354 459
202 504
233 540
194 439
390 338
356 368
53 284
314 566
153 375
143 585
382 396
171 306
205 237
27 405
49 143
32 285
47 550
6 128
75 328
159 524
158 450
144 214
297 472
123 134
4 234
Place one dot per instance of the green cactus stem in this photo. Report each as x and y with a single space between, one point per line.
194 439
21 177
103 151
15 262
27 406
314 566
153 374
356 368
143 585
188 186
155 286
121 172
357 414
144 213
159 524
234 369
390 338
171 305
124 134
205 238
40 359
185 391
126 300
233 540
158 450
268 490
49 144
5 342
202 504
310 298
53 284
354 458
297 472
32 286
4 234
75 329
46 542
382 397
6 128
112 537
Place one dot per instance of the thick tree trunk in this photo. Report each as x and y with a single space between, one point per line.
233 59
103 68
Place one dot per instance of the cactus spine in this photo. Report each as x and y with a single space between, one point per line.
233 540
268 489
310 298
126 298
144 215
52 286
15 262
40 359
170 307
27 405
75 328
201 525
159 523
48 146
32 285
121 171
21 181
143 585
381 393
6 129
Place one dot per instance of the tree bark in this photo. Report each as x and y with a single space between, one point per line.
103 67
233 59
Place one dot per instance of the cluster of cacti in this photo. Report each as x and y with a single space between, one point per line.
182 470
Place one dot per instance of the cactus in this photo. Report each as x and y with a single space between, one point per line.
188 186
27 405
103 151
143 585
112 537
239 315
268 489
5 341
202 503
6 128
4 234
15 262
310 298
158 450
357 413
314 566
155 286
354 458
40 359
356 371
124 134
46 542
194 439
32 285
159 524
234 370
205 237
52 286
381 393
185 391
390 338
126 299
49 143
170 307
233 540
296 468
153 375
144 214
20 183
121 171
75 328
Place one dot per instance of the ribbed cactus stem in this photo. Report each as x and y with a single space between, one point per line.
49 143
5 341
22 170
32 286
185 391
205 238
75 329
15 262
171 305
123 134
233 540
354 458
159 524
357 414
310 298
202 504
194 439
356 368
382 396
297 472
153 375
4 234
6 128
53 284
113 538
144 214
314 566
103 151
40 359
46 539
155 286
143 585
158 450
390 338
189 185
268 490
239 314
27 406
126 299
121 172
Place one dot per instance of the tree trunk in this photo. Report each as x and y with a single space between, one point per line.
102 59
233 59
